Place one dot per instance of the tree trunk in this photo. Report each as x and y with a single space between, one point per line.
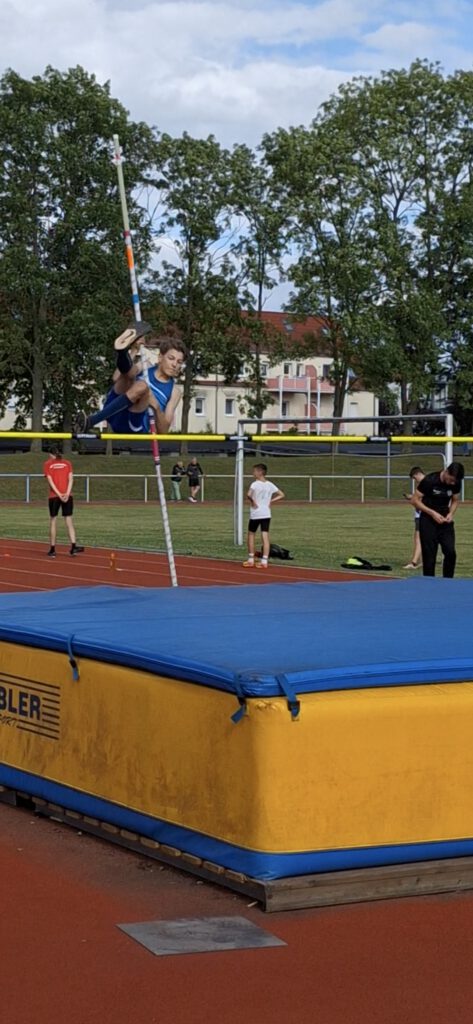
37 397
186 403
68 408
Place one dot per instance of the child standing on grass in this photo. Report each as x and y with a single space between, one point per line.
261 495
417 474
58 473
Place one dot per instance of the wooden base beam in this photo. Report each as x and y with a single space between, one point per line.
332 888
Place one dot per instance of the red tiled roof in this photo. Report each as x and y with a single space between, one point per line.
295 332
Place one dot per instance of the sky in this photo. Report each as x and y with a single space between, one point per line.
233 68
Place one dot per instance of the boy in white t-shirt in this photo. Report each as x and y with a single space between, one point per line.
261 495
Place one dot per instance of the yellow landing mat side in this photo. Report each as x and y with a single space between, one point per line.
358 768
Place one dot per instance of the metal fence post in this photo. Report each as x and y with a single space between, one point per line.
27 490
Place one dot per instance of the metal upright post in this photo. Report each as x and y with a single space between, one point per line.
239 485
449 444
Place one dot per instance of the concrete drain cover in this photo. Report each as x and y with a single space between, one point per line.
199 935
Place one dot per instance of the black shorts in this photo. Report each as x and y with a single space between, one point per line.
254 523
66 507
194 481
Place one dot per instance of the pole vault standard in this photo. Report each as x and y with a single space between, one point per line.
118 161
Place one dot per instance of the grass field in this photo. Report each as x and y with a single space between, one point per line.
319 535
290 472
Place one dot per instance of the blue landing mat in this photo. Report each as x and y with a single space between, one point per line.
261 641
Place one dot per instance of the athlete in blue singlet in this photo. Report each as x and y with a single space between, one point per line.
135 390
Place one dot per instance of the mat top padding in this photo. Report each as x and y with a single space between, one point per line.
261 641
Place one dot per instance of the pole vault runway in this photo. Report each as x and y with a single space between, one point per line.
64 959
24 566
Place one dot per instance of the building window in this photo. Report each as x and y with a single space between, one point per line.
287 369
299 369
284 409
326 371
264 369
200 406
229 407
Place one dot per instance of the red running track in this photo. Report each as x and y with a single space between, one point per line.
64 961
24 566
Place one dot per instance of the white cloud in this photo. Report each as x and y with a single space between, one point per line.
238 68
409 36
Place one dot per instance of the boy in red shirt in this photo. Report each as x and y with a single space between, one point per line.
58 473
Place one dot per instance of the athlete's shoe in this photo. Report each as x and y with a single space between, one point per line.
52 553
249 565
76 549
412 565
262 565
132 333
81 424
193 500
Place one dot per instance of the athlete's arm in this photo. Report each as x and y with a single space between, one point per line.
419 504
452 509
170 410
53 486
70 482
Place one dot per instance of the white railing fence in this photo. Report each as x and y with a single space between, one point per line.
97 487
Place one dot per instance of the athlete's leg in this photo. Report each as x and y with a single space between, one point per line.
252 528
429 544
53 505
135 398
417 553
265 524
52 531
447 543
70 528
265 536
127 391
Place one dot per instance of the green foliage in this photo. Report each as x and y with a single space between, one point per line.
380 193
259 204
372 205
64 290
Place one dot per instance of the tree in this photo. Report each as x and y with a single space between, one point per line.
63 278
334 270
408 131
257 202
198 293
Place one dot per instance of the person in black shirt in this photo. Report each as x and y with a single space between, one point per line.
436 498
194 472
177 473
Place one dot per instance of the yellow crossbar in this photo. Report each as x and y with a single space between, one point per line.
415 439
32 435
163 437
301 438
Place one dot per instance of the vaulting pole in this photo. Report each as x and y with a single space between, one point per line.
118 161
